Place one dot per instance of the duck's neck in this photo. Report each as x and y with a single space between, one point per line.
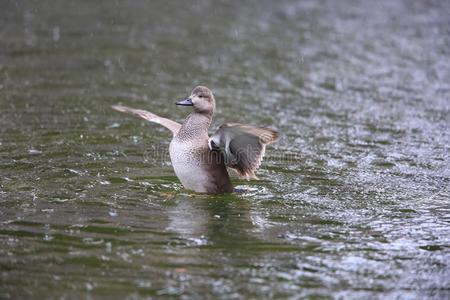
196 124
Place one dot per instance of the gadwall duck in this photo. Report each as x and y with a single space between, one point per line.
200 161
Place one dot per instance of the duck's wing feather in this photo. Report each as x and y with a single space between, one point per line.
169 124
243 146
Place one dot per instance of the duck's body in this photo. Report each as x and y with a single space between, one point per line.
200 162
198 168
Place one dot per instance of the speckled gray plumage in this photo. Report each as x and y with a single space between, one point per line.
197 167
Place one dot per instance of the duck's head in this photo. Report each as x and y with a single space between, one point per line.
202 99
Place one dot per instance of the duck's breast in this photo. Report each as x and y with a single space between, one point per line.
189 166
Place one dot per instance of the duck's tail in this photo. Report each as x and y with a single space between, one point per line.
169 124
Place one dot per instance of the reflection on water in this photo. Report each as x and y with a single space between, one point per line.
352 202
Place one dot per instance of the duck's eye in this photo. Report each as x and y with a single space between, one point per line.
200 96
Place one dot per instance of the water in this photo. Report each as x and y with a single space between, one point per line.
352 202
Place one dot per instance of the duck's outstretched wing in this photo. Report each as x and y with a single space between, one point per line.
243 146
169 124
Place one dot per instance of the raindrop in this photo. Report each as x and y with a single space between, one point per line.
56 33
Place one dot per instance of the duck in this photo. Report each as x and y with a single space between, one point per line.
200 161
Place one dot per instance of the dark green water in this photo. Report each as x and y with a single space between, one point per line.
353 201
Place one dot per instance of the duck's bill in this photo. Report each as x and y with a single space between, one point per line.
185 102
